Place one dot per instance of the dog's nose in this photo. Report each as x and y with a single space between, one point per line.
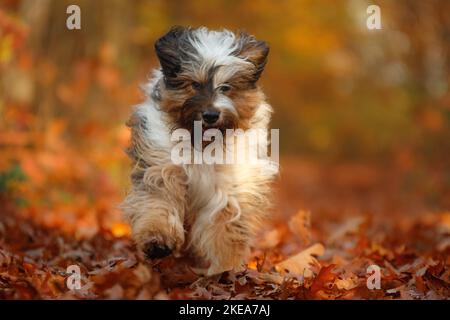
210 116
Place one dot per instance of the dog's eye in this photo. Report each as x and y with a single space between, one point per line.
196 85
224 88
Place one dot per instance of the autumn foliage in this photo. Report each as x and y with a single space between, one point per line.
364 124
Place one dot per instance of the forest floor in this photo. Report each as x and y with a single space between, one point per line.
329 225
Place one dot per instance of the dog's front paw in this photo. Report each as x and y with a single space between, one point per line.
157 245
154 249
157 236
157 226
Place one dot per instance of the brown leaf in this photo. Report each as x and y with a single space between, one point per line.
300 226
302 262
324 280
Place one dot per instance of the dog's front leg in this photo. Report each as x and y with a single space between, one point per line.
155 208
223 241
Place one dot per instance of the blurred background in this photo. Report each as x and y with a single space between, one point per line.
364 115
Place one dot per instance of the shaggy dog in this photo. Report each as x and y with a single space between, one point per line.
211 210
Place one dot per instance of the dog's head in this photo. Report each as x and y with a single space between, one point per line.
210 76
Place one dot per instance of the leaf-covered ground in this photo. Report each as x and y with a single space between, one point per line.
329 225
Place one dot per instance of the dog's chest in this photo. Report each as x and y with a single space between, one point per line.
208 184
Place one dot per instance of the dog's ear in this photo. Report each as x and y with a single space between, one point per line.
167 51
254 51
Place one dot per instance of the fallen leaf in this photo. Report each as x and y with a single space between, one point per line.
346 283
350 226
323 282
300 226
302 262
115 292
270 239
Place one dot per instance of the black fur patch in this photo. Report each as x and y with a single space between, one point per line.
167 50
172 49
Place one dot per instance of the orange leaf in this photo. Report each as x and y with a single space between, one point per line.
323 279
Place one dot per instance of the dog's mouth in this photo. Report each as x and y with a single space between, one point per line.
217 126
206 141
221 125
